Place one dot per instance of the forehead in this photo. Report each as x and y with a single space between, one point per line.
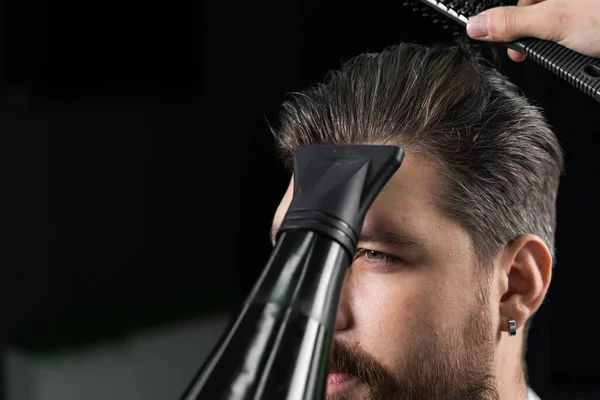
413 185
407 202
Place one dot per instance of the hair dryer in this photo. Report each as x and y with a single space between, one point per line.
278 346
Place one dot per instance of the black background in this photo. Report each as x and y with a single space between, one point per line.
138 174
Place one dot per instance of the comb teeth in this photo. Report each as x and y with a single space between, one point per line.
459 9
425 11
463 7
468 8
453 8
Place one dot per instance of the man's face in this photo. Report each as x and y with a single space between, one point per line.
414 319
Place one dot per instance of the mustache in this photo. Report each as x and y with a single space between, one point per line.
352 360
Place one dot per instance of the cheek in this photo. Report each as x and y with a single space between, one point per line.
385 314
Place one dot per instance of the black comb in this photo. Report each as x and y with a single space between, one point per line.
579 70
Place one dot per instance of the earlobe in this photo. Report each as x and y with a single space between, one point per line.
528 277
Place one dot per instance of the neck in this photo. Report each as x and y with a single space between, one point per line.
510 371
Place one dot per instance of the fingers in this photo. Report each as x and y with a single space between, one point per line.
503 24
515 55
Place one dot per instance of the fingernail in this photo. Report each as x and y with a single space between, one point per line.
477 26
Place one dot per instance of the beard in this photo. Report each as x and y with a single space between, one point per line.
455 364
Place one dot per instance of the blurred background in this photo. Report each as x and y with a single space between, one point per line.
138 182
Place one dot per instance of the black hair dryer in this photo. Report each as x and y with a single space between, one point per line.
277 347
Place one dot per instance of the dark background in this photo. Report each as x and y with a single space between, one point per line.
138 174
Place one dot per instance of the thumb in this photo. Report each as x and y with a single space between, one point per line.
504 24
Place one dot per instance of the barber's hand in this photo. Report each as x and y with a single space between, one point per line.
572 23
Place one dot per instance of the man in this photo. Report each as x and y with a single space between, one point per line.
456 252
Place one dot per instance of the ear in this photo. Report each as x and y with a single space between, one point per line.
526 274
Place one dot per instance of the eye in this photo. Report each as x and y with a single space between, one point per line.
376 257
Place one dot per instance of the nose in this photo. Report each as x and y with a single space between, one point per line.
343 317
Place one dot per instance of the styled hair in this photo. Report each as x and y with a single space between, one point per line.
499 163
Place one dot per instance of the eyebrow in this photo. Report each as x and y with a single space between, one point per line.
378 234
398 239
